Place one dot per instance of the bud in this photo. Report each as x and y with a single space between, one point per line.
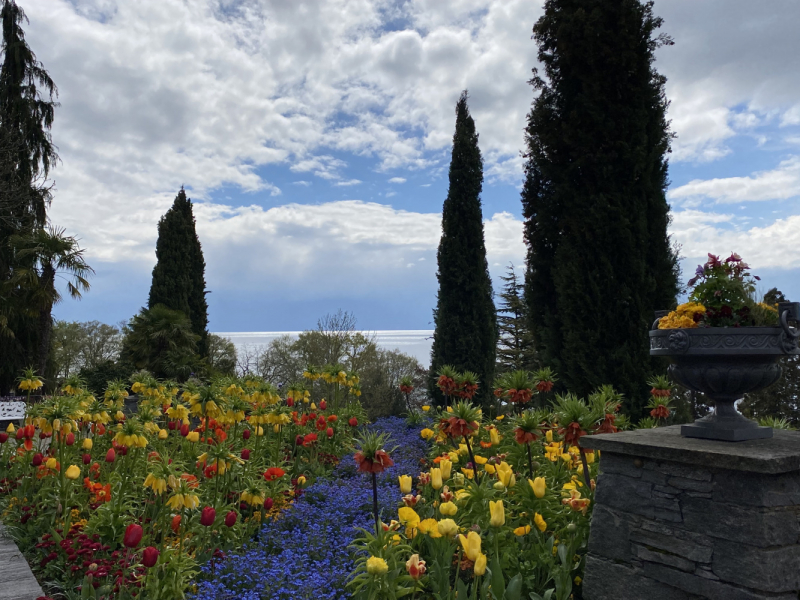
87 443
87 458
184 430
111 456
37 459
3 437
172 425
323 405
246 434
230 518
70 439
329 432
150 557
207 516
245 453
353 422
268 503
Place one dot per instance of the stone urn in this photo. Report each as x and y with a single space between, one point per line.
725 363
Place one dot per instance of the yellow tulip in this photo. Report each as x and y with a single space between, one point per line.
87 444
500 417
73 472
468 472
51 463
471 543
453 457
462 449
313 406
497 512
489 469
481 460
447 527
448 509
10 428
301 481
589 457
408 517
426 434
480 565
549 436
426 408
522 530
538 485
540 523
405 484
494 436
163 434
377 566
449 409
193 436
436 478
445 466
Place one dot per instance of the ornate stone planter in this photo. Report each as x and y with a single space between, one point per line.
725 363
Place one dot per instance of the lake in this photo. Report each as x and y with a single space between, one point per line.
415 342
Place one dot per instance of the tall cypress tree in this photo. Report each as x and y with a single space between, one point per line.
600 260
515 349
465 319
27 108
179 275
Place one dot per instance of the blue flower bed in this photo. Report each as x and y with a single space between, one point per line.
304 554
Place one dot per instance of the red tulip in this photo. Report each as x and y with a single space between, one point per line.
111 456
268 503
149 557
123 450
323 405
70 439
133 535
246 434
245 453
230 518
3 437
184 430
87 458
101 429
37 459
290 402
329 432
172 425
353 422
207 516
176 523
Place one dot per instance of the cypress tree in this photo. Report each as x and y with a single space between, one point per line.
465 333
179 275
26 155
600 260
515 349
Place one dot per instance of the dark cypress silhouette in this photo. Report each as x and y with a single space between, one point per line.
600 260
465 334
27 153
179 275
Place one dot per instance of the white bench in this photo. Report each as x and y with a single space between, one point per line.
12 411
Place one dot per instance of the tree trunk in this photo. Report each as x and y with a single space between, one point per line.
47 281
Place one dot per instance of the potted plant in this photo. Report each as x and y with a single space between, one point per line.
725 344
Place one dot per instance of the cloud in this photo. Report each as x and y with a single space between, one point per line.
397 180
778 184
347 183
771 246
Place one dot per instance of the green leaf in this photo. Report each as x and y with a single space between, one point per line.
514 589
461 588
498 581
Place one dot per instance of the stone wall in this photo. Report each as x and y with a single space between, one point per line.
668 530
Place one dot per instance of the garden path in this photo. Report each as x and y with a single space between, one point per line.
16 579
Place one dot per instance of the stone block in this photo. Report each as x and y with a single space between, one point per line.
667 540
768 569
610 533
624 493
665 558
704 587
606 580
691 485
757 489
762 527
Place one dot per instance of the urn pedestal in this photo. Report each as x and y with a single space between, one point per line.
679 518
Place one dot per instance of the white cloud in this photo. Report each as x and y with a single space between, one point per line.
303 183
773 245
397 180
778 184
347 183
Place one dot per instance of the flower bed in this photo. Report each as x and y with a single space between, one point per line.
303 552
106 504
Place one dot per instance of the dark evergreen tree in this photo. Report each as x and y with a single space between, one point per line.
515 349
26 155
600 260
465 333
179 275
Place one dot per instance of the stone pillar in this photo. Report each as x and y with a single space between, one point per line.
682 519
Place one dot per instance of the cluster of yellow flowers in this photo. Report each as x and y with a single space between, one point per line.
682 317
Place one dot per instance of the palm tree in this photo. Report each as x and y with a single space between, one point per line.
161 340
48 253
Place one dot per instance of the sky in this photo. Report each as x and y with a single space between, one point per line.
314 139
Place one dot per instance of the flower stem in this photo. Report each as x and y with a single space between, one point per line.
530 460
472 458
375 503
586 470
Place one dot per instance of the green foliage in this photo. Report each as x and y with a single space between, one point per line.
98 375
27 108
221 355
465 320
161 340
599 256
515 348
179 274
782 399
